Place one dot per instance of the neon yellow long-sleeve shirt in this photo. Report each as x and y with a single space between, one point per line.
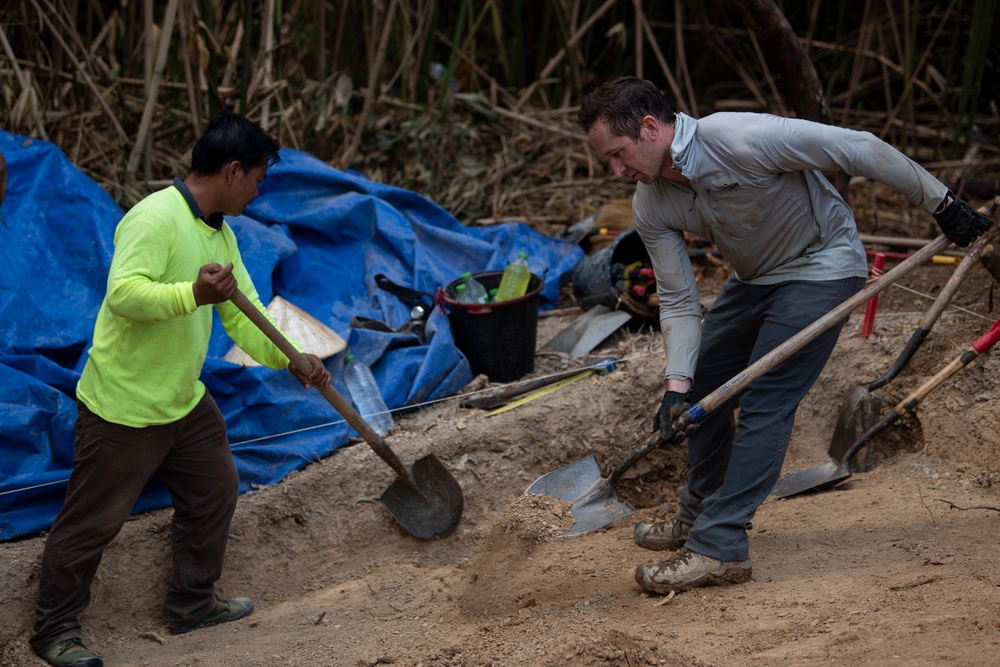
151 339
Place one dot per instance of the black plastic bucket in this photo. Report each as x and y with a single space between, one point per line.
498 339
593 283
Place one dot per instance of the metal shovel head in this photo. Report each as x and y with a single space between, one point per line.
812 479
859 413
594 500
433 509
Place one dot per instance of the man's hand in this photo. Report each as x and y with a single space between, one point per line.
319 376
215 284
671 407
959 221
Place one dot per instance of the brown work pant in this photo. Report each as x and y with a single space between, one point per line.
111 465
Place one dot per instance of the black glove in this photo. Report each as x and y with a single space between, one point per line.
960 222
671 407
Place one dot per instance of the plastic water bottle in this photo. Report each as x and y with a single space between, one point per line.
462 294
366 395
474 290
516 276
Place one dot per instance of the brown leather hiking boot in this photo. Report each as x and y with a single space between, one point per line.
687 569
661 535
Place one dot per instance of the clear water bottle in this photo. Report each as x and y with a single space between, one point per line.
516 276
366 395
474 290
462 294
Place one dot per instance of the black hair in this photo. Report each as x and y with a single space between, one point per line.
229 137
622 103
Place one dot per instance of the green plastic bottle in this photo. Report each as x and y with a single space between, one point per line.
516 276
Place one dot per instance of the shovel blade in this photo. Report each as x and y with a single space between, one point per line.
594 501
431 510
858 414
812 479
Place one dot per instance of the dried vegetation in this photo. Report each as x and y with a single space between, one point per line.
472 103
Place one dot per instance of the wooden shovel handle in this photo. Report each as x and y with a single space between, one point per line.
697 412
802 338
335 398
909 404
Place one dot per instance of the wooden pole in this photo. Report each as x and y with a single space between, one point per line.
154 87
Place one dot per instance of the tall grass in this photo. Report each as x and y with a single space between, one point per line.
339 77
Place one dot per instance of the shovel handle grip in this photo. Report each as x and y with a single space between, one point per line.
339 403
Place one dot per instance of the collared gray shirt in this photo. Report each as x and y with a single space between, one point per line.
758 194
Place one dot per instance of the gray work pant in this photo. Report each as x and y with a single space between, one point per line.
737 451
111 465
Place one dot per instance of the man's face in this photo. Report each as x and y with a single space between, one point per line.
242 186
641 160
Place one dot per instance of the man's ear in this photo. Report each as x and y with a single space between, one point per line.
230 171
650 126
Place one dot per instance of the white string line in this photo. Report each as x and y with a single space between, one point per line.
932 298
342 421
471 393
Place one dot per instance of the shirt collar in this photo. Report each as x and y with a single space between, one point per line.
685 150
214 220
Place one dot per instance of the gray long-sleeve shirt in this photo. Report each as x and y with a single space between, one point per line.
757 193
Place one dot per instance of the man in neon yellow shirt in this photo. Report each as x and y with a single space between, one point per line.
143 411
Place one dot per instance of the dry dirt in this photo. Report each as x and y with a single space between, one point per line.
896 566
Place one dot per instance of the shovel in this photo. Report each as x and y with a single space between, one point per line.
861 407
832 473
426 500
594 499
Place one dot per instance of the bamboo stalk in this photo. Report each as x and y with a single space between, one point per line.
154 87
373 78
22 81
147 70
557 58
268 47
682 61
192 90
910 80
83 72
639 19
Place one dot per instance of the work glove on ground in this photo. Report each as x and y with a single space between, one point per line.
671 407
960 222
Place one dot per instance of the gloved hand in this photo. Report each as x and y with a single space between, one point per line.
960 222
671 407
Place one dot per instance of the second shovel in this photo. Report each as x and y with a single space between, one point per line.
861 407
834 472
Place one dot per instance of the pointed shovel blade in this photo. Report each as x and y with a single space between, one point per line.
433 509
859 413
594 501
812 479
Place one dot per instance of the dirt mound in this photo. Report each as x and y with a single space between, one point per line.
895 566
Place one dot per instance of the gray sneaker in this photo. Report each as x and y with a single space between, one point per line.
687 569
662 535
226 609
70 653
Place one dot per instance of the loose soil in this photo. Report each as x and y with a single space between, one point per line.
896 566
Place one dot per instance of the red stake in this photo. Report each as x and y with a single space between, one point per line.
869 322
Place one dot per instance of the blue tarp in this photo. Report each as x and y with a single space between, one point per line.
315 236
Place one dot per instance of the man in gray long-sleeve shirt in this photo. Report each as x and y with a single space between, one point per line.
751 184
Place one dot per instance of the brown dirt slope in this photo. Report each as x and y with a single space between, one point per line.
897 566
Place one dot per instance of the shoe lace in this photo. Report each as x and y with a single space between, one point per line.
665 528
68 645
685 556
